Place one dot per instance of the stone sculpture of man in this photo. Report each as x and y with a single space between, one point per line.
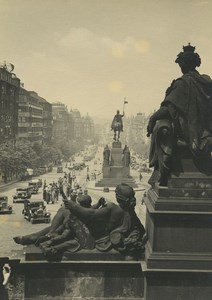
126 156
106 156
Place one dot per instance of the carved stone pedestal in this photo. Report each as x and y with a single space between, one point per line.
178 262
83 275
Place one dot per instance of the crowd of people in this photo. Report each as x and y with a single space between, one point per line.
69 184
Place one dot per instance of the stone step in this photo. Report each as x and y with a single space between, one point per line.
113 182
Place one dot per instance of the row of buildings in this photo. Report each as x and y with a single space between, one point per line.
26 115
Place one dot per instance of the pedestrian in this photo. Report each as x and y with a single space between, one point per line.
88 177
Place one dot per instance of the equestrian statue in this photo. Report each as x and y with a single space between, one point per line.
117 124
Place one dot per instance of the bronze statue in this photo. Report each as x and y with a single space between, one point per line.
126 156
114 226
106 156
117 125
184 117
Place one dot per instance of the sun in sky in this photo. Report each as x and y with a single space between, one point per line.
115 86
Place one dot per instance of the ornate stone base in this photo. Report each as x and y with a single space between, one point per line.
94 277
116 172
83 280
178 262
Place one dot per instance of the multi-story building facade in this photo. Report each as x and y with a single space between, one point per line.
137 127
77 124
60 122
88 131
46 117
135 131
83 127
71 126
9 94
30 117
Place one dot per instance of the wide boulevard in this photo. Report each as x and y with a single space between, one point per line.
14 224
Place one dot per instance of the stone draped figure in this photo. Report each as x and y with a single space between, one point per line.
106 156
126 156
184 117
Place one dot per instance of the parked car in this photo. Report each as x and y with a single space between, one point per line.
79 166
5 208
34 183
42 170
22 194
60 169
35 211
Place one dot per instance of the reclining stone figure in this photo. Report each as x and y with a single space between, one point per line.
114 226
104 226
184 118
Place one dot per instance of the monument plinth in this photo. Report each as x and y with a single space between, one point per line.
116 167
178 263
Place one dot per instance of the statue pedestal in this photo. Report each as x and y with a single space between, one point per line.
82 275
116 172
178 263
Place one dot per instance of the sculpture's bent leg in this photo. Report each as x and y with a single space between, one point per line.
62 214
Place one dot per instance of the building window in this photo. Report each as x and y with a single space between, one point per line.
12 92
3 90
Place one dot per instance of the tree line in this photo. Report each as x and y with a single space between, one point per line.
17 158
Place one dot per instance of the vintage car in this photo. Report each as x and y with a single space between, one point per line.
60 169
35 211
22 194
5 208
34 184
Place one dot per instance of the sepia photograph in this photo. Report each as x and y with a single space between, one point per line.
106 150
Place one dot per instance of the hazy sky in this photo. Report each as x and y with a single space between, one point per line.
90 54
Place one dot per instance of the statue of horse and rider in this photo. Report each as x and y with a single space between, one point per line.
117 125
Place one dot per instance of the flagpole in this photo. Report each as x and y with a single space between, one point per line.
124 104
